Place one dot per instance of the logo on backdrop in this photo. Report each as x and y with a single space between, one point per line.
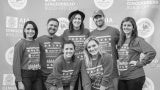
142 4
145 27
17 4
9 55
60 5
148 85
14 26
103 4
63 25
8 82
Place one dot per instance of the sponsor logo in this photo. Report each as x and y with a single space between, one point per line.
9 55
63 25
17 4
60 5
103 4
142 4
148 85
8 82
8 79
145 27
14 28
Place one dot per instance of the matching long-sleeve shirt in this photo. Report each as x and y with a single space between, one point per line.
108 39
78 38
99 74
50 48
64 74
132 53
26 57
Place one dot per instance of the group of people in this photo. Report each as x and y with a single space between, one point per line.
104 59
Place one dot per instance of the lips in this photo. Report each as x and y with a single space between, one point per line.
69 54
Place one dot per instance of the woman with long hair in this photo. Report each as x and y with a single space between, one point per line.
26 61
65 69
96 67
130 47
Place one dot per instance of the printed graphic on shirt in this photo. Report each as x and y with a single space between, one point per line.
95 74
52 50
79 42
34 58
66 74
105 43
123 58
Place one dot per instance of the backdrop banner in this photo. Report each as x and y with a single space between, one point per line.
14 13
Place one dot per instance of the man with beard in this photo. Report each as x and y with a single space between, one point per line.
50 48
108 37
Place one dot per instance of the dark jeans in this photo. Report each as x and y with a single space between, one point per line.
133 84
31 80
44 78
78 85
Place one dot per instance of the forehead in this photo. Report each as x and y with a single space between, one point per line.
91 42
127 22
53 22
77 16
68 45
98 16
29 26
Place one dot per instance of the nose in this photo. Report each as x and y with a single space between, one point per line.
30 30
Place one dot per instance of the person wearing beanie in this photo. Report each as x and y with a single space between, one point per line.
50 48
78 34
108 37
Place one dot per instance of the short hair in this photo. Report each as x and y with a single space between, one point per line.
53 19
68 42
34 26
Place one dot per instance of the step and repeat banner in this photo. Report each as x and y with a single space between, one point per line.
14 13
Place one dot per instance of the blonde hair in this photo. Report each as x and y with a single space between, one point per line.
87 55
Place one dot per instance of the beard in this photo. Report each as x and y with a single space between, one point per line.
52 31
100 25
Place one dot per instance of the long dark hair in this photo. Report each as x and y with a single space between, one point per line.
69 42
71 29
122 34
34 26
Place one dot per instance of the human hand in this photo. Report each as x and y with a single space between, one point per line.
132 63
21 86
103 87
53 88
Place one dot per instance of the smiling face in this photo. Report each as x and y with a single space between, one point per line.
29 31
77 20
68 50
52 27
99 20
127 27
92 47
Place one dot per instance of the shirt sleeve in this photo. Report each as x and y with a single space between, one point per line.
117 36
54 79
86 81
18 53
149 52
107 64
